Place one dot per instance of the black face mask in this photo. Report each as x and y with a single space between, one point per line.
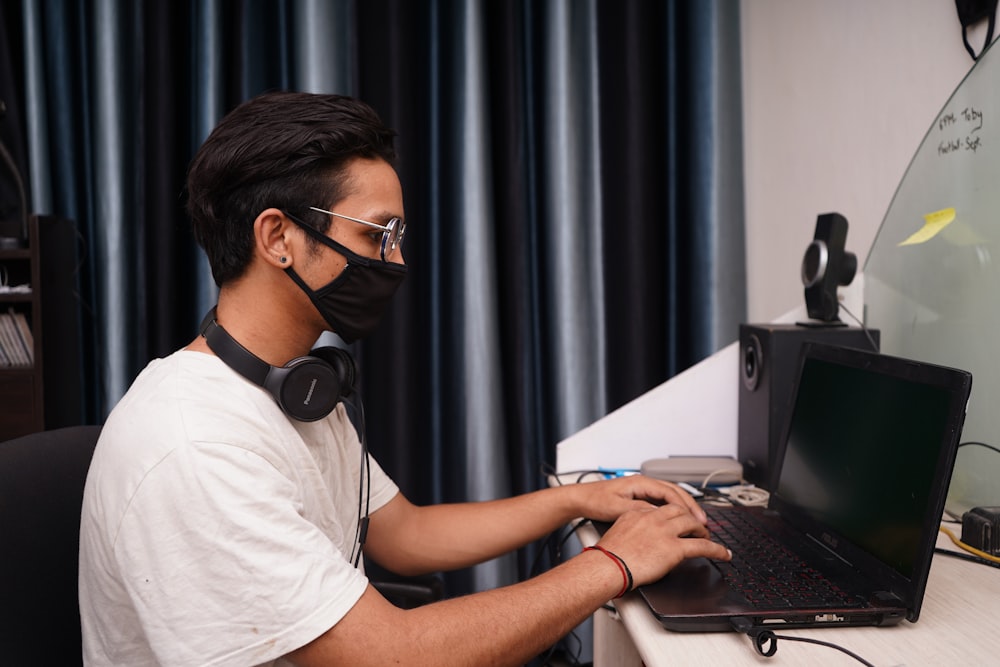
353 302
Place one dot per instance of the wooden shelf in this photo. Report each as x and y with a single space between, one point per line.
21 388
16 297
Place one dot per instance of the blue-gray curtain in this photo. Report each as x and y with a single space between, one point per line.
572 171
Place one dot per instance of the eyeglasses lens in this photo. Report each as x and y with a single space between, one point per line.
395 233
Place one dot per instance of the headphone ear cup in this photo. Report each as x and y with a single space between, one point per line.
306 388
343 365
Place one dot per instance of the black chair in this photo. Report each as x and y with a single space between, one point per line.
41 492
410 592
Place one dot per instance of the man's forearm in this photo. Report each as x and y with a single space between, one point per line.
656 526
451 536
505 626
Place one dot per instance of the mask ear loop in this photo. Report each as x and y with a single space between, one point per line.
988 10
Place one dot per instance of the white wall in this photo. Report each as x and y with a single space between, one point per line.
837 96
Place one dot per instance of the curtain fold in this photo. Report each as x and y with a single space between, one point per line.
714 115
467 254
571 174
115 193
322 41
207 105
570 212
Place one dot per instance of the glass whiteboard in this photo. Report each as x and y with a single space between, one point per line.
931 283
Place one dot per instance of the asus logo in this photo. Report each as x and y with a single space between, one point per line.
829 540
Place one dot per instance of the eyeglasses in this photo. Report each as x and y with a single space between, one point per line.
392 232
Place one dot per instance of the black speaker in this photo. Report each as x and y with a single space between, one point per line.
826 265
769 359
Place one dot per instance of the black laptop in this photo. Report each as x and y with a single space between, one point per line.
868 452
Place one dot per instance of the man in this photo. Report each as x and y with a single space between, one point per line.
223 527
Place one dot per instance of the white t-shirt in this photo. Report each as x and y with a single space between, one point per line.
216 530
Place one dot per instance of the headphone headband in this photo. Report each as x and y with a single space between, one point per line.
227 348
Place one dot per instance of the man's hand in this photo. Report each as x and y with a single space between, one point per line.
607 500
654 540
656 524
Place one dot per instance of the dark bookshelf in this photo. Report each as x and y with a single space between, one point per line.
21 388
46 394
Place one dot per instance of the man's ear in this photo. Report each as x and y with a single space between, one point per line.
271 231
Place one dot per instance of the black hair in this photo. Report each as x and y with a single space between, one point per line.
283 150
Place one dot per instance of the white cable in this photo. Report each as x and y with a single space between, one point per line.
746 494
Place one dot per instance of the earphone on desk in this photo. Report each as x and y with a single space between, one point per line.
306 388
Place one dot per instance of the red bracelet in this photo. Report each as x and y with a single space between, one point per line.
626 573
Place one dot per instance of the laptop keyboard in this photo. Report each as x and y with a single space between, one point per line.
767 573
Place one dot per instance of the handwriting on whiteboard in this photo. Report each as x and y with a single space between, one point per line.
960 131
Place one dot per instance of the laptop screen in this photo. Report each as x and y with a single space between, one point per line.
861 456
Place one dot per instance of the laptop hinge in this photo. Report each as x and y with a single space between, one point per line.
888 598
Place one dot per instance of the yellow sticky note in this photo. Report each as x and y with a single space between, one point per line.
933 223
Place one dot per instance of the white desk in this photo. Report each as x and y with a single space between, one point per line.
959 624
959 621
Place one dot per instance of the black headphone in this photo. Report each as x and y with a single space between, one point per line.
306 388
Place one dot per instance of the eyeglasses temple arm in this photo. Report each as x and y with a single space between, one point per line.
384 228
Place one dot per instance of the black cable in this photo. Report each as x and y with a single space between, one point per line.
808 640
765 642
556 548
864 329
363 537
549 471
569 655
364 483
965 556
572 531
980 444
